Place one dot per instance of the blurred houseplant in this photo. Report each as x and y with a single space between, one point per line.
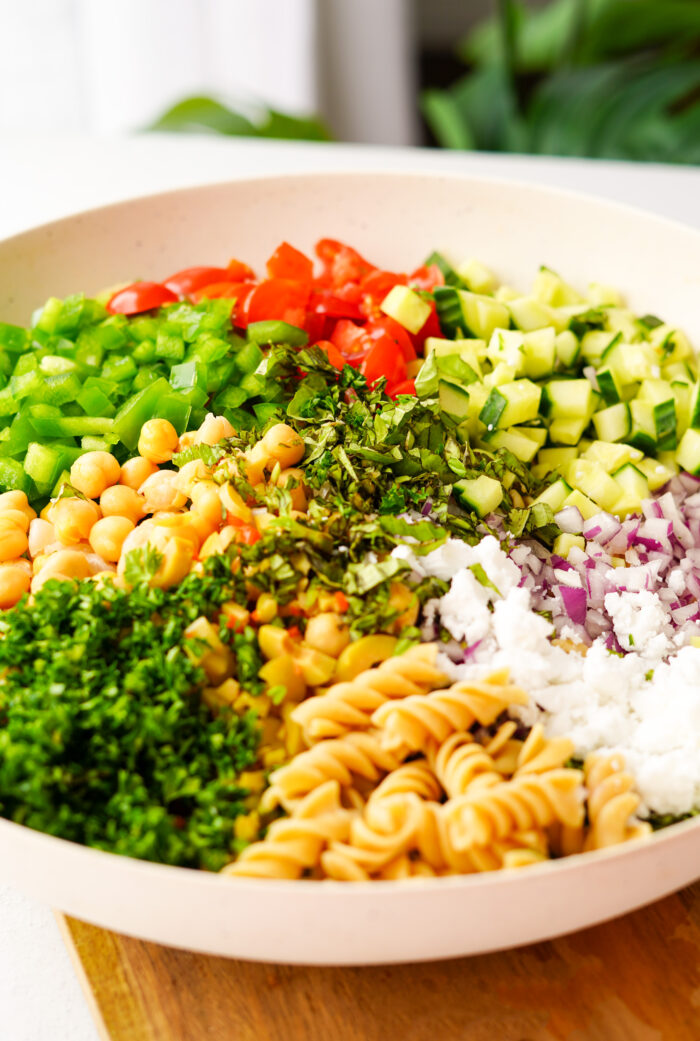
202 115
618 79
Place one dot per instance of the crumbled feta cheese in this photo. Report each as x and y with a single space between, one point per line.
640 622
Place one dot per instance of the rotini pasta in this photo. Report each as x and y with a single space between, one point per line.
349 706
538 753
423 718
611 803
415 777
462 764
294 844
385 831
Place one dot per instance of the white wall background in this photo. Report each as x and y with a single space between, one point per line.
106 67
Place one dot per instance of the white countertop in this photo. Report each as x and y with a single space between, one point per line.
45 178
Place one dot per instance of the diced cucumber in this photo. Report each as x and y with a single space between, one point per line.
632 362
539 353
660 396
564 543
510 404
478 277
482 494
556 458
611 456
613 423
553 290
569 399
642 432
567 431
604 296
556 495
620 319
688 453
478 394
523 448
529 314
673 343
501 374
595 344
567 348
586 507
678 372
454 400
453 368
406 307
536 434
591 479
608 386
656 472
632 482
482 314
507 346
472 352
694 416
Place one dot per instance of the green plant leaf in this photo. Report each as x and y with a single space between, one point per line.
195 115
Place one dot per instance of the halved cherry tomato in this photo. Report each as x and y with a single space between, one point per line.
342 264
334 355
323 301
384 359
375 288
383 325
351 340
406 387
191 278
141 296
237 271
426 278
281 298
288 262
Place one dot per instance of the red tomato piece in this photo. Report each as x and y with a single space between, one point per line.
334 355
384 358
191 278
341 602
323 301
386 326
427 278
141 296
317 326
237 271
341 263
278 298
350 339
288 262
406 387
246 534
375 288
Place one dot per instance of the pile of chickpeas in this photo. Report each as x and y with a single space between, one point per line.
184 514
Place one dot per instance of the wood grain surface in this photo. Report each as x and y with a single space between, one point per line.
634 979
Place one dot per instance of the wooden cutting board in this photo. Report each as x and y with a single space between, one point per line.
634 979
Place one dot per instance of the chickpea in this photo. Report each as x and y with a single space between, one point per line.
16 500
161 492
283 445
68 563
45 576
190 474
73 519
206 514
41 534
178 554
187 440
158 440
135 471
92 472
107 537
13 541
326 632
15 581
18 517
298 492
213 430
255 460
136 539
122 501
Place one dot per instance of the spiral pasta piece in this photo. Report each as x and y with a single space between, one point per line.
531 801
386 830
417 720
461 764
539 753
349 706
611 803
294 844
340 759
415 778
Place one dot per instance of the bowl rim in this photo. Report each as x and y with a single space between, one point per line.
673 833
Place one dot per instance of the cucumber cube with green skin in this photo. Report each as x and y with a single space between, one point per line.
507 346
591 479
406 307
596 343
536 434
454 400
523 448
453 368
567 431
673 343
482 314
657 473
613 423
510 404
566 348
478 277
556 458
620 319
556 495
472 352
659 394
678 372
632 482
632 362
688 452
529 314
611 456
694 417
501 374
608 386
569 399
551 289
482 494
586 507
564 543
539 351
642 433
